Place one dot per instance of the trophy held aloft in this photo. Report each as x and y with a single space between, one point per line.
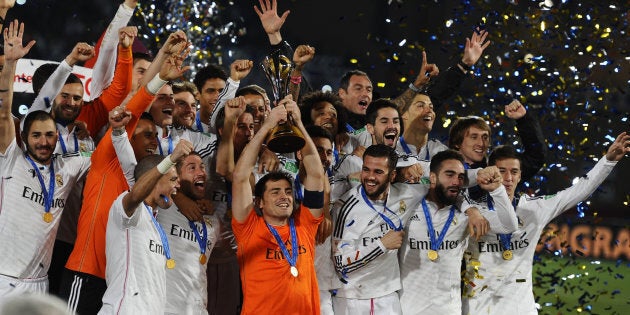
285 137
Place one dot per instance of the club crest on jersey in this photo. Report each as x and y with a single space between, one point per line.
59 180
208 221
402 207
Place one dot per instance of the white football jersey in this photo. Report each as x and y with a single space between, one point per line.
187 283
26 240
433 286
136 263
500 286
366 268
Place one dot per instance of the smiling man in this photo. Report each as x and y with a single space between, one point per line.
36 184
367 233
418 116
499 277
185 106
191 242
384 126
137 250
276 242
256 100
438 233
471 137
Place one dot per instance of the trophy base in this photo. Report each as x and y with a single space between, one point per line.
285 143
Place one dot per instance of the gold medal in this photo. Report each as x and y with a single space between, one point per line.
170 263
48 217
507 255
203 259
433 255
294 271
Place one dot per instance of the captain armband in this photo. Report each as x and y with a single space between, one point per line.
313 199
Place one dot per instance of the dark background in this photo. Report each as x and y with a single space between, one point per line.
577 84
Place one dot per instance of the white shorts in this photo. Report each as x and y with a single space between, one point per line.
388 304
10 286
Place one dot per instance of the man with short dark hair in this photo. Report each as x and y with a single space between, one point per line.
367 233
137 248
257 101
438 232
276 242
83 282
499 273
471 137
214 85
36 184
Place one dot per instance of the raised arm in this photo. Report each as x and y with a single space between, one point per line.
271 22
13 51
145 184
312 163
117 88
176 43
225 153
503 218
53 85
310 157
239 69
530 132
427 71
242 198
302 55
119 117
103 70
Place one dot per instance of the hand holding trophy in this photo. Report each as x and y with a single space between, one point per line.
285 137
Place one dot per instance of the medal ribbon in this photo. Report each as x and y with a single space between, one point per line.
198 122
349 128
407 149
505 238
291 259
48 194
383 216
298 188
404 145
203 241
170 145
63 144
158 227
427 157
435 243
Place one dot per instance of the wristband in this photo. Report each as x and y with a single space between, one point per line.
296 80
414 88
165 165
313 199
155 84
464 66
116 132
